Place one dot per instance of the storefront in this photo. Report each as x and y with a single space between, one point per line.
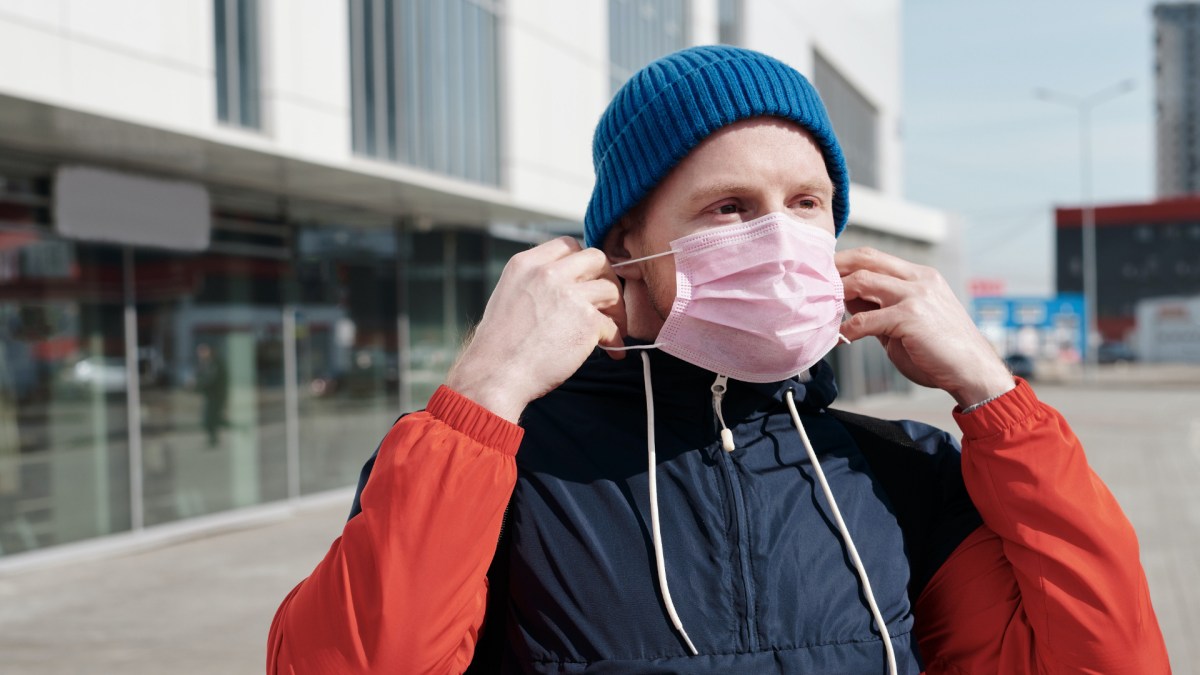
142 385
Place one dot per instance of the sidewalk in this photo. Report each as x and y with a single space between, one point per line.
201 606
204 605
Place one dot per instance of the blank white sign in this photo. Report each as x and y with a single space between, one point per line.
101 205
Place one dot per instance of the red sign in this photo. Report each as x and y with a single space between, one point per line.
986 288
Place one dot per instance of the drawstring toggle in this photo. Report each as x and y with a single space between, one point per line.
719 386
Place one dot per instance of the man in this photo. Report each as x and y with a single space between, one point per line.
212 381
699 507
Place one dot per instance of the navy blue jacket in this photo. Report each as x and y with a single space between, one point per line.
756 567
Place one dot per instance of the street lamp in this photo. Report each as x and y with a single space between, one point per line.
1083 105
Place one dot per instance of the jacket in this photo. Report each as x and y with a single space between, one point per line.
1009 557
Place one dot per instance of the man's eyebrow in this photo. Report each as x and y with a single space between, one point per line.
716 190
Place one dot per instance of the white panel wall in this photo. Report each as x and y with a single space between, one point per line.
138 60
306 68
151 62
556 88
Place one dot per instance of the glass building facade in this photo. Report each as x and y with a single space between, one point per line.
141 386
424 85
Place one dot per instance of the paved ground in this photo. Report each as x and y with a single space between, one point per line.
204 605
1141 429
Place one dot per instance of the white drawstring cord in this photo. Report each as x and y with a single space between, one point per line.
659 559
837 517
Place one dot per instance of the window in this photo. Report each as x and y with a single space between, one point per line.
640 31
235 28
424 85
854 118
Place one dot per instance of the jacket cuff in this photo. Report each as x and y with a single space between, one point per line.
1009 410
474 421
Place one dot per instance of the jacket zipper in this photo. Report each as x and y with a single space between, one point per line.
740 519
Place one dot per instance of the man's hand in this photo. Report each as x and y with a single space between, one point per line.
924 329
554 303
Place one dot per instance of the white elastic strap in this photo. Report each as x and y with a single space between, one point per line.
659 559
638 260
837 517
629 348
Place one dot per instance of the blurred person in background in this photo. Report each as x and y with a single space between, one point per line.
697 505
212 381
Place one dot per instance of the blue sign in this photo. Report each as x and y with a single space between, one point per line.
1064 314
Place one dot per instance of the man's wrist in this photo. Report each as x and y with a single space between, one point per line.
494 393
978 396
991 380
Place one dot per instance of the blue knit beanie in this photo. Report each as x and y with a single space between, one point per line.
667 108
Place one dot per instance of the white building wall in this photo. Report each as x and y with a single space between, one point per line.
306 77
151 63
556 87
136 60
1168 330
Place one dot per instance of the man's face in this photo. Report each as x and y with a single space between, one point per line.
742 172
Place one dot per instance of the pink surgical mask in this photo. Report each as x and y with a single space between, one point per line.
758 301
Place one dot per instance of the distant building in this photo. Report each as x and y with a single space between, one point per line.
1177 94
1143 251
239 237
1168 330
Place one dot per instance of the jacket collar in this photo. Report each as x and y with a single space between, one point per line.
679 384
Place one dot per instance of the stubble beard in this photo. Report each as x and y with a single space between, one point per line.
662 295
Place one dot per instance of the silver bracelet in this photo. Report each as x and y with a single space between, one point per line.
975 406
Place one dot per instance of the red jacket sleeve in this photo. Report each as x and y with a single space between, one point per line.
1052 582
403 590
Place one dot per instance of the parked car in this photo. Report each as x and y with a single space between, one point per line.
1020 365
97 373
1115 352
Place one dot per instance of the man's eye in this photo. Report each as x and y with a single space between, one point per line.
808 203
727 209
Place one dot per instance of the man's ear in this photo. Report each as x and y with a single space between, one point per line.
616 247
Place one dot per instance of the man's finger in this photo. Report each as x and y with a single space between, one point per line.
881 323
602 293
612 334
582 265
867 258
878 289
615 311
549 251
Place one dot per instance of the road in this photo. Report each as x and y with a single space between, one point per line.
203 605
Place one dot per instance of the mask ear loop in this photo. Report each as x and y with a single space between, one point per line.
638 260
